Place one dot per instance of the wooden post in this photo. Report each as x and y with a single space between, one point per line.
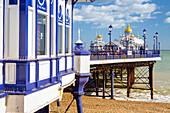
104 84
128 81
151 79
97 90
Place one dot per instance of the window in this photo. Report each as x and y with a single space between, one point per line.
41 35
60 39
67 39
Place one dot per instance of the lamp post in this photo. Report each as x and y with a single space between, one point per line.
144 32
154 43
156 34
110 30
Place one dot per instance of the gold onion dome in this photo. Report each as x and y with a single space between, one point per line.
99 36
120 36
132 35
96 38
128 29
138 36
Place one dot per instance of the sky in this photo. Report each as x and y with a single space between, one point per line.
95 18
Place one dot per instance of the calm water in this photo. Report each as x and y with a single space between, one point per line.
161 84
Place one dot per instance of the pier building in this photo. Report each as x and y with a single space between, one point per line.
36 54
130 65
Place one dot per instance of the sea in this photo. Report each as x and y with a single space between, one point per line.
161 82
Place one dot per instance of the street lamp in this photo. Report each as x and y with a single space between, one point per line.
110 30
144 32
156 40
154 43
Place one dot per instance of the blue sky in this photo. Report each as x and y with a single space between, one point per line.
95 18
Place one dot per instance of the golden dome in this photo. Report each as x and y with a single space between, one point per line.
138 36
120 36
96 38
128 29
102 40
132 35
99 36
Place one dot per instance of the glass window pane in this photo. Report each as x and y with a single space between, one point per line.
41 35
59 39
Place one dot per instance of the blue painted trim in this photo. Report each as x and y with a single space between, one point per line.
27 73
13 2
73 63
37 74
31 91
30 3
51 71
43 82
3 28
23 29
27 89
65 74
1 86
36 28
2 95
57 70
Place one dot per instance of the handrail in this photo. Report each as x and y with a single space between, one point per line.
123 54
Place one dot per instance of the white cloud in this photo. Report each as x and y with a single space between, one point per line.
158 12
167 20
168 13
118 14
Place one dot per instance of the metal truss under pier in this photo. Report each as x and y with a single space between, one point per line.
130 75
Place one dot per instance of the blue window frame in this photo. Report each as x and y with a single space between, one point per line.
60 39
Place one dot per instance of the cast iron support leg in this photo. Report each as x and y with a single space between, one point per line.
128 81
132 76
104 84
97 90
112 83
79 104
151 79
121 74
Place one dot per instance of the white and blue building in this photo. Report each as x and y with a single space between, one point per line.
36 53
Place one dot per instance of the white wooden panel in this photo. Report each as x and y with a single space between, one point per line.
2 105
32 72
12 32
30 35
10 73
85 64
62 64
1 29
41 98
69 62
44 70
1 74
54 68
68 78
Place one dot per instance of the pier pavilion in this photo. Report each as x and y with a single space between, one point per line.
36 54
131 68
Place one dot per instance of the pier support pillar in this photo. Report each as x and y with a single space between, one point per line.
112 83
121 74
151 79
132 72
128 81
82 67
104 84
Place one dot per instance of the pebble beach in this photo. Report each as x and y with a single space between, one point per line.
98 105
